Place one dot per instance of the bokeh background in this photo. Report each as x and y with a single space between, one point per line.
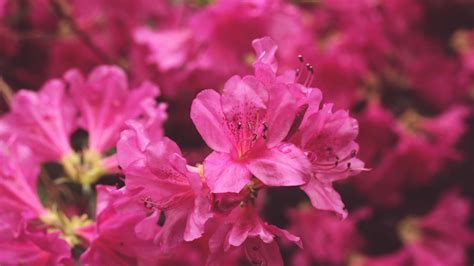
403 68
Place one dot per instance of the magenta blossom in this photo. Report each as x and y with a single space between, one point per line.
112 239
160 183
105 102
411 151
22 245
326 238
22 240
437 238
327 138
246 127
44 120
242 227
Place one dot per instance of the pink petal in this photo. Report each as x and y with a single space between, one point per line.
198 218
265 49
209 120
281 233
144 228
280 115
260 253
324 197
172 232
223 174
243 100
285 165
168 49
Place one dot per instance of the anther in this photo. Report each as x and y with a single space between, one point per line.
309 78
264 131
353 153
299 70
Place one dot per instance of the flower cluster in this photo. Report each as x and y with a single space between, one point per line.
238 132
266 130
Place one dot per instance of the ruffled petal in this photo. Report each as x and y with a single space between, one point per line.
223 174
285 165
324 197
209 120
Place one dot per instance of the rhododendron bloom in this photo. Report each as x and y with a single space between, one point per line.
159 181
44 120
18 177
112 238
105 102
243 228
437 238
326 238
328 139
21 239
246 127
416 146
226 132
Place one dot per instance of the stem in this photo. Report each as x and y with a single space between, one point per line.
62 11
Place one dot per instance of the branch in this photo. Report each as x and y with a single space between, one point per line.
63 12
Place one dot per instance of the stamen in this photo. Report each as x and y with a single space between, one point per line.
265 130
310 76
351 155
148 203
300 113
300 69
254 136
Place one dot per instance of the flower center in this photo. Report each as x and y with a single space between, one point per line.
409 231
84 168
59 222
248 134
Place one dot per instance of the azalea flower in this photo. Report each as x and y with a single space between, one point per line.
243 228
160 183
246 127
22 239
438 238
326 238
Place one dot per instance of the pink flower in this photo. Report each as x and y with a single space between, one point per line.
326 238
246 126
200 45
160 183
242 227
411 151
112 239
106 102
44 120
21 244
168 49
22 240
18 177
437 238
327 138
